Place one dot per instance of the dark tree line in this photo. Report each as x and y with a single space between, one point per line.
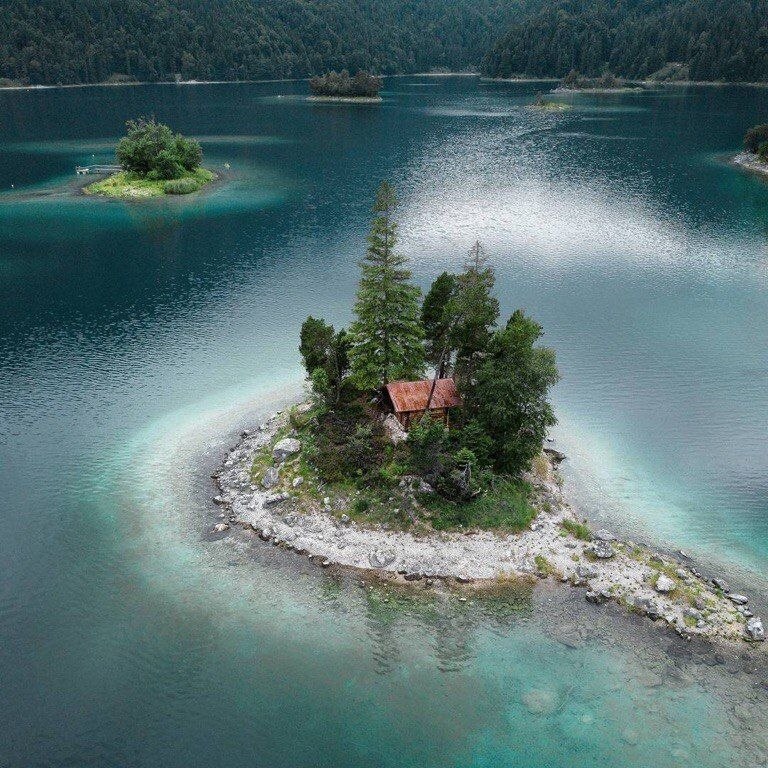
87 41
704 39
344 84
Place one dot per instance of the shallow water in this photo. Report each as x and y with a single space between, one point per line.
136 340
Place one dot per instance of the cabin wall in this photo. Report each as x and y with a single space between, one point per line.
408 418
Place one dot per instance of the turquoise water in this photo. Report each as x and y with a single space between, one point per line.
136 340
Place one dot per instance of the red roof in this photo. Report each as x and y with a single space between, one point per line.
409 396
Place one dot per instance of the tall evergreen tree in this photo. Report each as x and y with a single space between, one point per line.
475 311
386 338
509 397
437 322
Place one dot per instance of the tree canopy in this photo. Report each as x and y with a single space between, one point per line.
342 84
386 337
637 39
152 150
89 41
509 396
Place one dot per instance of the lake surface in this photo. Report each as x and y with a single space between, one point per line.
136 340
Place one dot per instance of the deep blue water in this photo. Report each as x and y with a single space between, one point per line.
136 339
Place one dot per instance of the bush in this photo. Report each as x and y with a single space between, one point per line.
151 150
754 137
579 530
505 506
180 186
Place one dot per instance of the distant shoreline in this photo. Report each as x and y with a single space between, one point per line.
637 84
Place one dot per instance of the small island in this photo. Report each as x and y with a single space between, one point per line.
541 104
155 161
755 155
341 86
421 456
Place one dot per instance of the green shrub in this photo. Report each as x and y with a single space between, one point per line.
180 186
504 506
579 530
152 150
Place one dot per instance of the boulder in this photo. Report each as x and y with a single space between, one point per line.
586 571
597 597
381 558
285 448
276 498
754 629
664 584
602 550
555 456
271 477
220 527
647 606
603 535
720 584
394 430
297 481
738 599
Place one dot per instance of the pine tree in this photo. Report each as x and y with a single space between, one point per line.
437 322
510 396
475 311
386 338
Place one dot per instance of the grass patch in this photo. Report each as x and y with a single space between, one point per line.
579 530
125 184
503 507
543 565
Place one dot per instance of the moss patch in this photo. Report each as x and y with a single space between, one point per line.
132 186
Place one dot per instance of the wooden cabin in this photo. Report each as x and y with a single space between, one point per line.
408 400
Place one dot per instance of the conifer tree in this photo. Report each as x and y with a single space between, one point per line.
437 322
386 338
475 311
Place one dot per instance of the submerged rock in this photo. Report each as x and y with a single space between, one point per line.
540 702
220 527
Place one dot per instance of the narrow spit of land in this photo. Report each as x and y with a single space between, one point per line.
283 507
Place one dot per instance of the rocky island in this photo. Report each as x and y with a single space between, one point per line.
154 162
446 479
341 86
755 155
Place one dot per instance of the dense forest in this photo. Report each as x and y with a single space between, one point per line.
87 41
706 39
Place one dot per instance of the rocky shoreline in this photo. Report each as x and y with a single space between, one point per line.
750 162
668 590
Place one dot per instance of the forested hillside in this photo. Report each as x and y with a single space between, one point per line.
711 39
86 41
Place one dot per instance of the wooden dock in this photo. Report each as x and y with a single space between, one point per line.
82 170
